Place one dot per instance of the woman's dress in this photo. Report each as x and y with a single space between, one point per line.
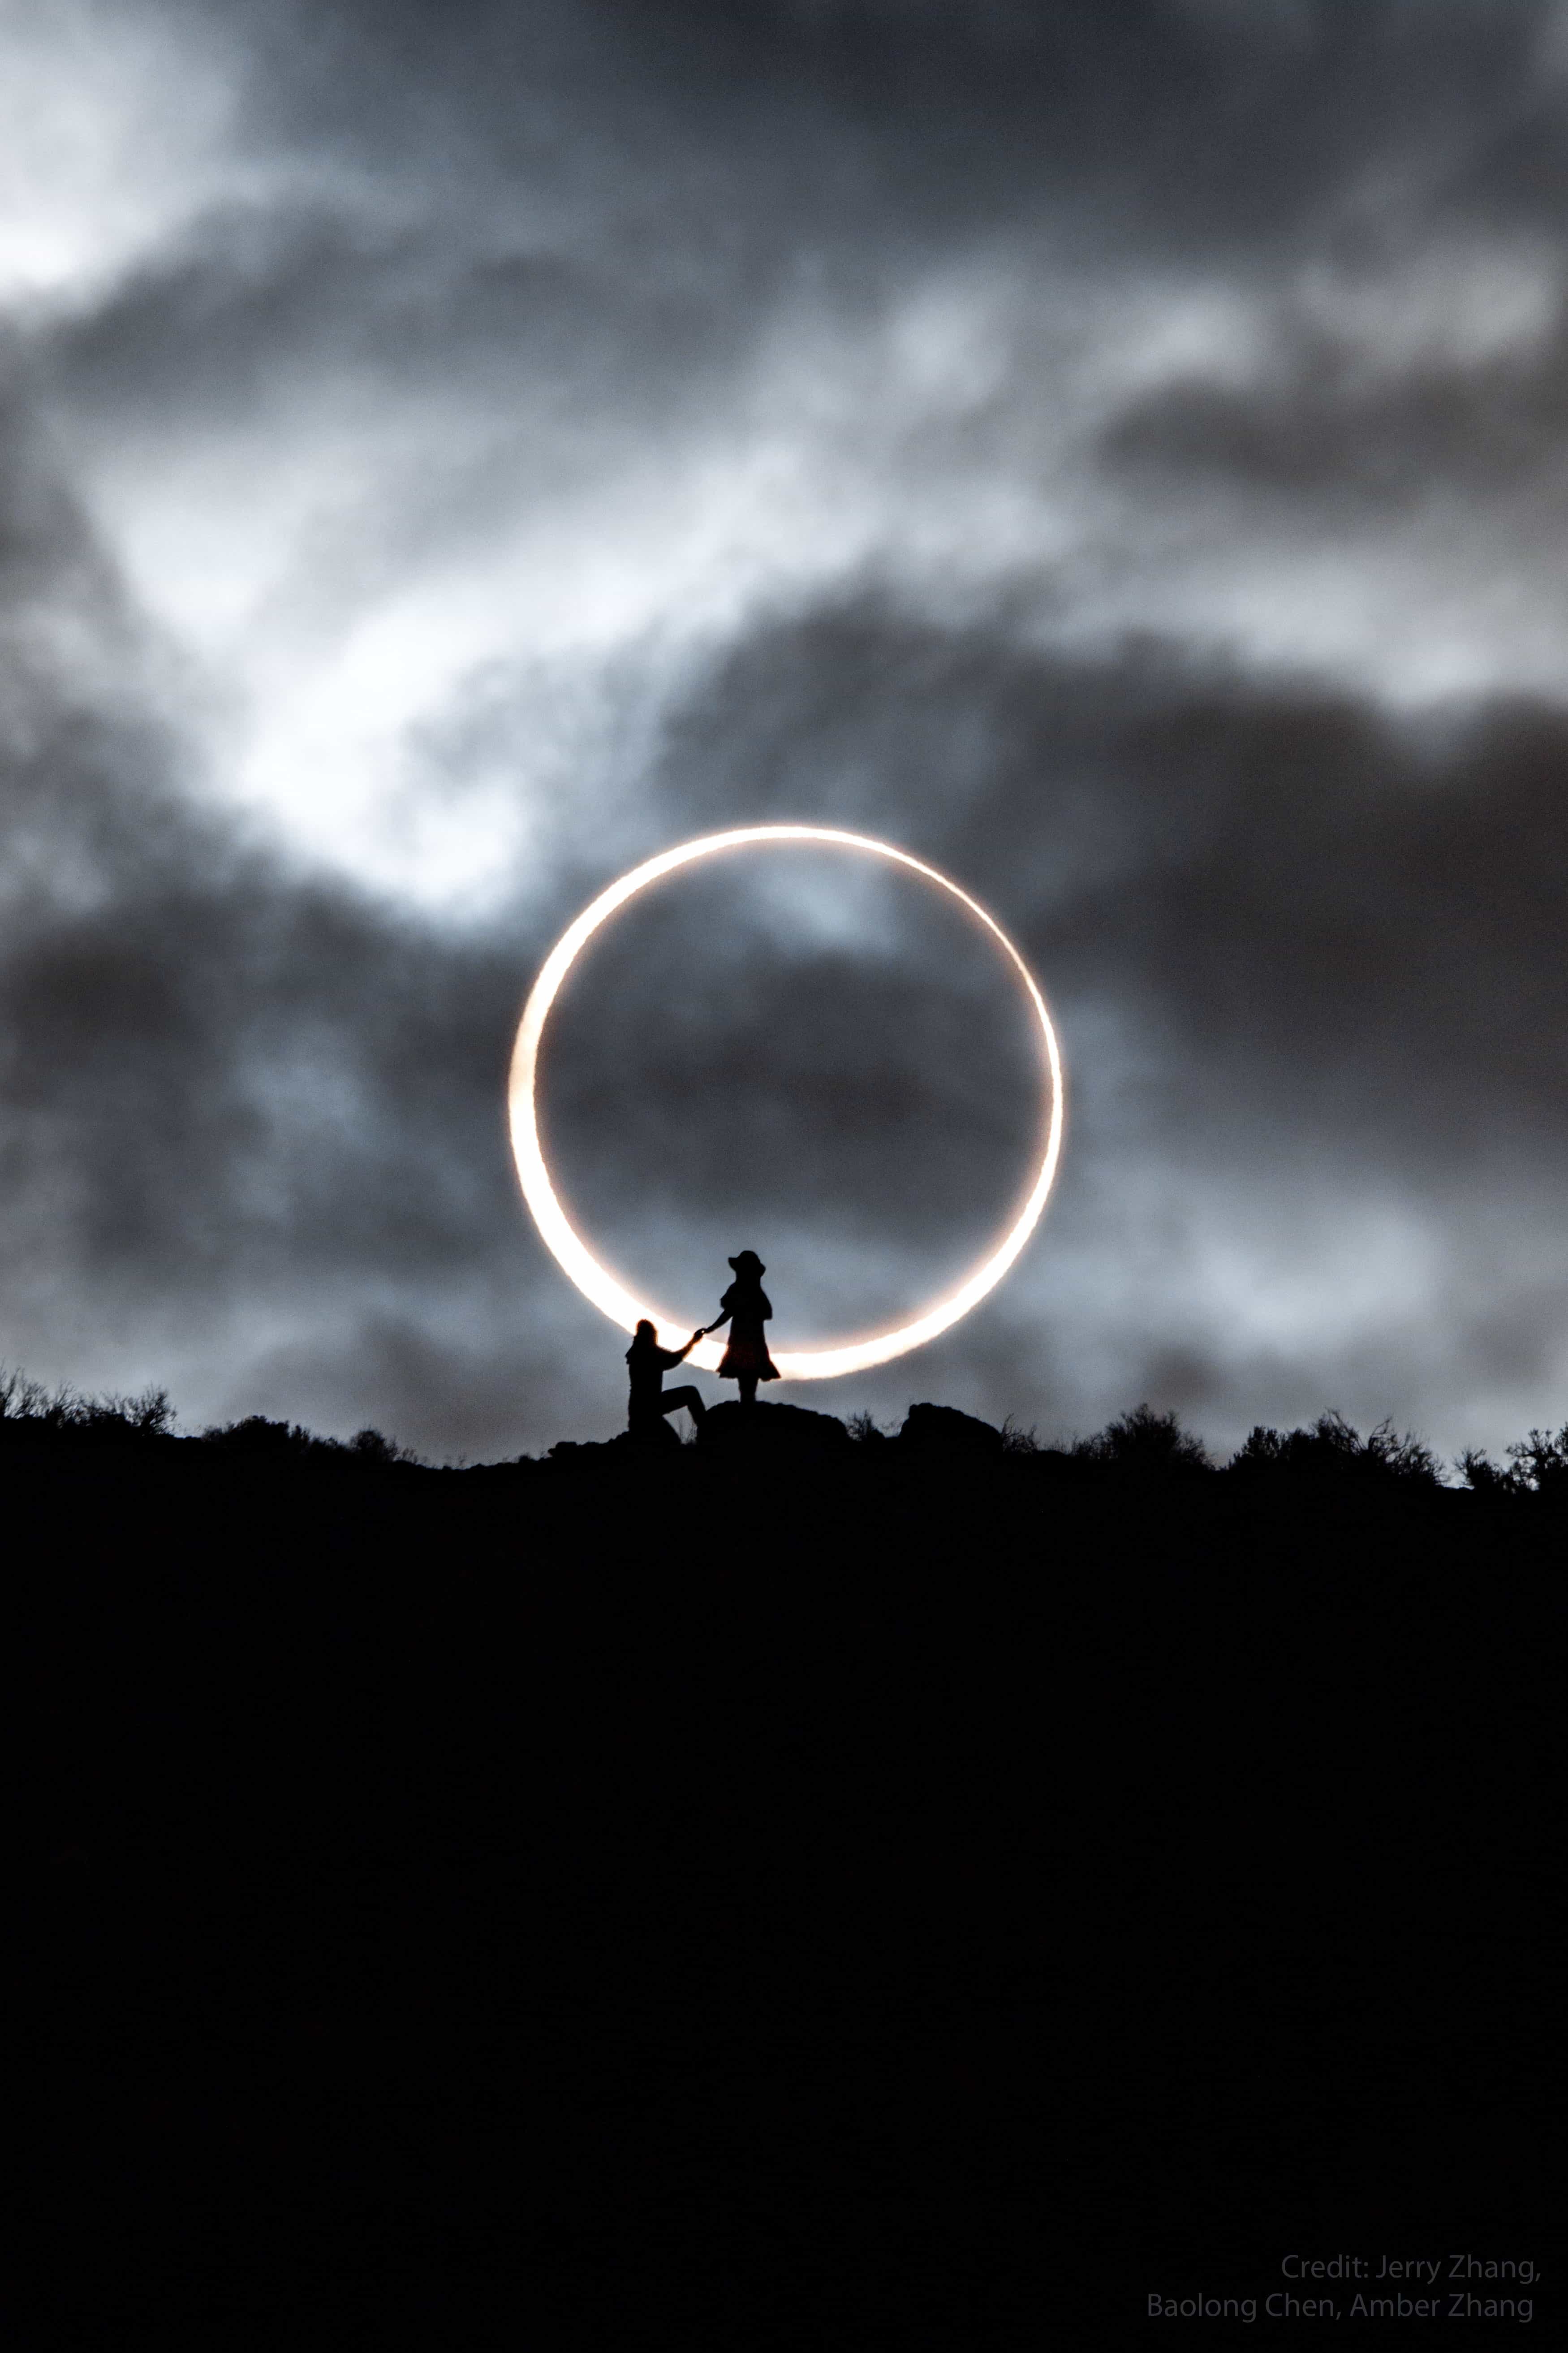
747 1306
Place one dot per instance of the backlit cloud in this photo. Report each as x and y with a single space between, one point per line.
450 454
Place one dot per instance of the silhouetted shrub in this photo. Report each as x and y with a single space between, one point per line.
1538 1466
382 1452
22 1399
63 1412
148 1414
1336 1447
1485 1477
866 1429
256 1434
1145 1442
1541 1461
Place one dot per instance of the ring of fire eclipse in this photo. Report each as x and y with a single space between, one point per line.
572 1255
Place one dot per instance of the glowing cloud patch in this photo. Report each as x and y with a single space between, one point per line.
567 1245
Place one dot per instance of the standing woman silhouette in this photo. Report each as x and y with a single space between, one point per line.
745 1307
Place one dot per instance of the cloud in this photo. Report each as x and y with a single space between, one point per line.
450 453
1302 956
246 1109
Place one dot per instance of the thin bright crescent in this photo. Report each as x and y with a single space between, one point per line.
567 1245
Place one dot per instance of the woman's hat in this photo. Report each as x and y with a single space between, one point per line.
748 1262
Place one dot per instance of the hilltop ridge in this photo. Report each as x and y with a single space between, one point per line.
778 1893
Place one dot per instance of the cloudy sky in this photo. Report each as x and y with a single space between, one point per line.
1120 453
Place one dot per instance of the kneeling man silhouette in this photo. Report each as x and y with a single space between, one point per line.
647 1363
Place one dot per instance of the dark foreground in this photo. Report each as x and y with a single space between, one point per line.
661 1903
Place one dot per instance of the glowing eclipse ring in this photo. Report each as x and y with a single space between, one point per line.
572 1255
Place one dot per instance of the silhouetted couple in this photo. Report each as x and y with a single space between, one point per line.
745 1307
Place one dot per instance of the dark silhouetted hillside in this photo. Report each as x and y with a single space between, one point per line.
791 1890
